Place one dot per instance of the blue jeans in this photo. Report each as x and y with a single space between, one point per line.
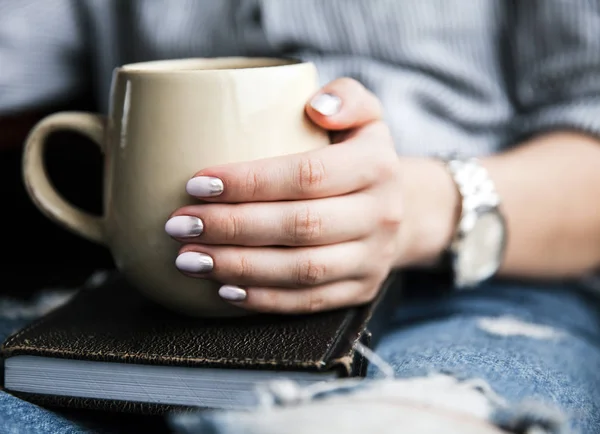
517 355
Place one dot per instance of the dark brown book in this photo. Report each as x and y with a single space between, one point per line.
111 348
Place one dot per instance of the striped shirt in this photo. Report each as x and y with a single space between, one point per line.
475 76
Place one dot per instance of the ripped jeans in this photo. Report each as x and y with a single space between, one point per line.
507 357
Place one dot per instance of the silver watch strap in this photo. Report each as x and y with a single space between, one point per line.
475 187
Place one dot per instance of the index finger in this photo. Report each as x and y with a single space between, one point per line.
329 171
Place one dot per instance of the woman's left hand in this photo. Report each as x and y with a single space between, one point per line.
305 232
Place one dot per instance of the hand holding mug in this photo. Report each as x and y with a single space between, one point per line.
303 232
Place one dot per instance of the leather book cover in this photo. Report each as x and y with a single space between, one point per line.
114 323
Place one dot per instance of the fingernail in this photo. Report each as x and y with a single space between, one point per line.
204 186
326 103
184 226
193 262
232 293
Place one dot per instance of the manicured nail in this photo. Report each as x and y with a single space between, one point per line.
184 226
326 103
204 186
232 293
193 262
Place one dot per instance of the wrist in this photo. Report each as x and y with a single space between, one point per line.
431 212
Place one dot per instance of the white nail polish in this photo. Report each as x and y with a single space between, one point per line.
232 293
193 262
204 186
184 226
327 104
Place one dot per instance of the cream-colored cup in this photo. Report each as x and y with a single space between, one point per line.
167 120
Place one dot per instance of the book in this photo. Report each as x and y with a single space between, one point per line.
111 348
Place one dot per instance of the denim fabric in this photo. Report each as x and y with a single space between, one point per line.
525 357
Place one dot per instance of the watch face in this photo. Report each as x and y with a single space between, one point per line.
482 248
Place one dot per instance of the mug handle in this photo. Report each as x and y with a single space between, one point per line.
38 185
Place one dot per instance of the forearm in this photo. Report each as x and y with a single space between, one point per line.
550 190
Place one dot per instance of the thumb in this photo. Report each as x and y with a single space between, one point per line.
343 104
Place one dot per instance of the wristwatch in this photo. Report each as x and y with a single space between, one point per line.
479 242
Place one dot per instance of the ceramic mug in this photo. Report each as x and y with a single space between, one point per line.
168 120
